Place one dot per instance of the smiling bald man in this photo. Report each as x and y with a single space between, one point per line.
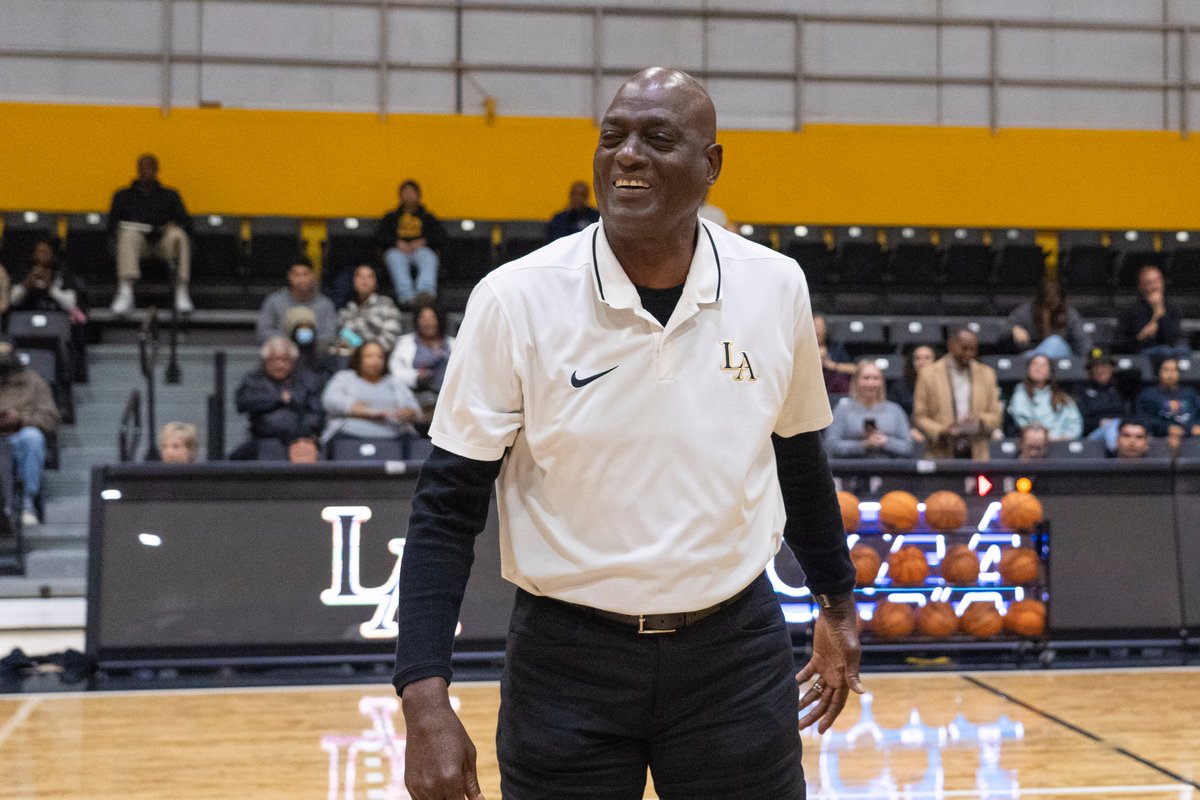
647 397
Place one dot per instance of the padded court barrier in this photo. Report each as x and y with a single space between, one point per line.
225 563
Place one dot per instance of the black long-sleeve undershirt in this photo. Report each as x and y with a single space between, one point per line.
450 509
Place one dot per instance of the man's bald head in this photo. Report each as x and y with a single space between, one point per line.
657 155
654 82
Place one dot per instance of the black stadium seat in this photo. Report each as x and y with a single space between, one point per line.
217 253
1086 270
913 265
466 257
88 251
520 238
1182 272
861 266
275 244
1134 250
859 336
1020 266
806 244
967 264
355 449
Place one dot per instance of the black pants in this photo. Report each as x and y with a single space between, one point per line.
587 704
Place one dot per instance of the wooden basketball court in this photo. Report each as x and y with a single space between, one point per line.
1114 735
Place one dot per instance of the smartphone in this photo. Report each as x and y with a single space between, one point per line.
869 425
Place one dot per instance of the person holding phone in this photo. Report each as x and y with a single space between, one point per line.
866 424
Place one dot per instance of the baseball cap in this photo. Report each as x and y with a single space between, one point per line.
1098 355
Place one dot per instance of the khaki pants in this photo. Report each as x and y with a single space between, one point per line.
173 246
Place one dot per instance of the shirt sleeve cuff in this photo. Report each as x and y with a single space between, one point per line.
468 450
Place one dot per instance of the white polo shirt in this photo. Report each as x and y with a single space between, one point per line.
640 475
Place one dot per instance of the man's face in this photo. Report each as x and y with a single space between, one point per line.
1150 281
963 348
278 365
147 169
1101 373
579 195
656 157
301 280
365 281
1033 444
410 198
1132 442
1168 373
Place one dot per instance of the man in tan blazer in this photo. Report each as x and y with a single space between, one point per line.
957 401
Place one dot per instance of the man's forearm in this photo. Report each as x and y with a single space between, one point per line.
814 523
450 508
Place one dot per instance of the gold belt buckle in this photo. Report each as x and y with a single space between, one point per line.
642 626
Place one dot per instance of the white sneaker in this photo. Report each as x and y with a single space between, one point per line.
29 518
122 304
183 301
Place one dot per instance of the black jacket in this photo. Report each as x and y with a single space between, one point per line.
157 207
270 417
1098 402
1135 317
431 229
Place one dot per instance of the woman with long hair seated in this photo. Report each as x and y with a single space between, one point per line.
1048 324
866 424
1039 399
420 357
365 402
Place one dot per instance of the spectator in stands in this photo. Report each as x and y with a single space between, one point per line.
957 401
1040 399
146 219
901 392
1169 409
368 316
866 424
303 450
302 290
1099 399
1133 441
420 358
5 287
576 216
365 402
1034 439
410 237
1151 326
835 361
282 401
1047 324
27 415
300 325
178 444
44 288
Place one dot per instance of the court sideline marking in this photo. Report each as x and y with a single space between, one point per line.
1081 731
18 719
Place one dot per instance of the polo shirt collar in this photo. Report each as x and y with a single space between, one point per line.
703 283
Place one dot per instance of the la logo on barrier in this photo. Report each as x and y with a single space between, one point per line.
346 588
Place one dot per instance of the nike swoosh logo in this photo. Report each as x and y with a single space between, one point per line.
579 383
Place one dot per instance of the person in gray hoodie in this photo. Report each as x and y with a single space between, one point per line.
866 424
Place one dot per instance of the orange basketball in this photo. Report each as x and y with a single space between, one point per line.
982 620
908 567
945 511
937 619
898 512
960 567
866 564
1020 511
1026 618
849 504
893 620
1018 565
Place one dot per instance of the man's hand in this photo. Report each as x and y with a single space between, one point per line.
834 663
1020 336
10 420
439 761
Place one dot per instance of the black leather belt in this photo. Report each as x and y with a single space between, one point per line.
667 623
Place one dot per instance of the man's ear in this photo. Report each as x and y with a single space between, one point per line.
714 154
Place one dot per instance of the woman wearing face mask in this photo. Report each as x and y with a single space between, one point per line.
366 402
301 326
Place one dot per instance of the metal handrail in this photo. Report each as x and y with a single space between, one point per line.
461 64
